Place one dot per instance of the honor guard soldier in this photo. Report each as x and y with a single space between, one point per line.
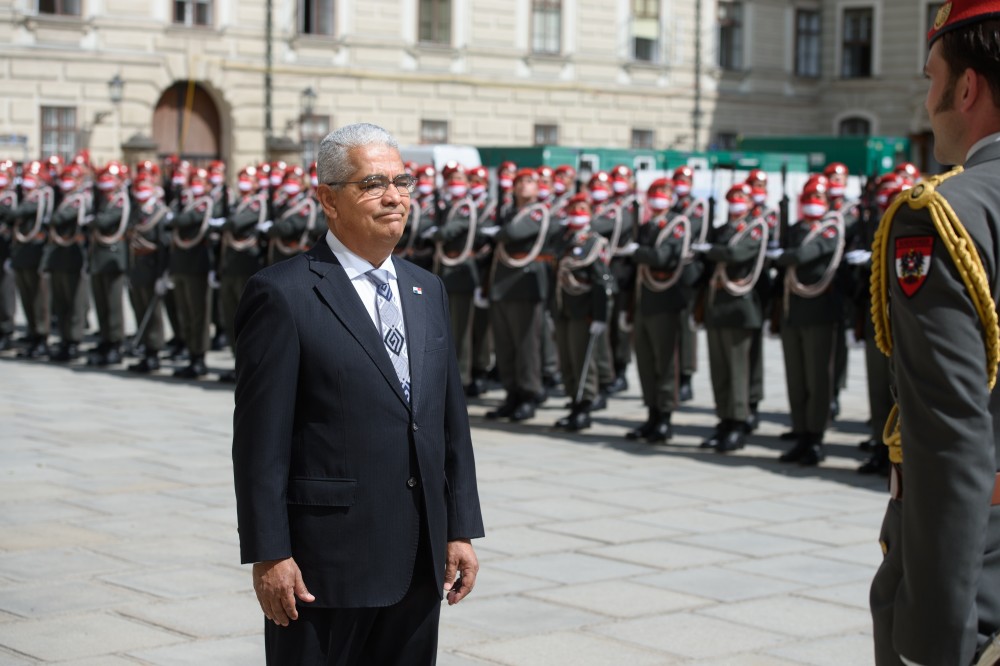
601 197
414 245
487 210
29 222
563 184
620 235
695 210
584 294
935 267
757 180
190 265
65 261
149 247
108 260
518 289
812 312
732 313
295 226
665 279
551 377
8 298
908 173
505 187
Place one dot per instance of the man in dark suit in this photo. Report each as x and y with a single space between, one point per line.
935 286
355 480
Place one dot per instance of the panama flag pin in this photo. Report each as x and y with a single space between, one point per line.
419 291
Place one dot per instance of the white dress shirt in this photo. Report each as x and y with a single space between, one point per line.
356 267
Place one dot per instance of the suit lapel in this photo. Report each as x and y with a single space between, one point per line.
336 290
415 320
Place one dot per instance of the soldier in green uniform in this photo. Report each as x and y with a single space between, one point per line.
605 216
414 245
584 294
665 279
487 209
295 225
518 289
812 313
190 265
695 209
65 261
757 180
8 290
29 221
732 313
935 267
149 248
107 262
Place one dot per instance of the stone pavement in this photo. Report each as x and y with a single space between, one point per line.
118 542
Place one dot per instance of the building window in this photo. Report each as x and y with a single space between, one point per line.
435 21
731 35
316 17
546 135
855 126
725 141
643 138
60 7
433 131
646 30
313 129
807 42
193 12
546 26
59 131
856 61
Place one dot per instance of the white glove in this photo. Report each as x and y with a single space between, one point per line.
774 253
856 257
216 222
479 300
700 247
598 327
627 250
489 231
213 280
7 267
86 220
162 285
428 233
264 226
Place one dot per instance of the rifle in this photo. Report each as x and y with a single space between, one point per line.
783 208
711 202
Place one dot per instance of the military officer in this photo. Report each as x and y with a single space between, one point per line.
695 209
65 261
812 313
732 313
29 222
604 216
415 243
757 180
148 250
563 186
487 209
584 293
8 298
936 597
295 225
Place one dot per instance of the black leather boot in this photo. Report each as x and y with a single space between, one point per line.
505 409
149 363
661 431
735 438
642 432
195 370
579 419
813 453
795 453
721 429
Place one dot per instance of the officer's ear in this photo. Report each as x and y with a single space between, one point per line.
327 200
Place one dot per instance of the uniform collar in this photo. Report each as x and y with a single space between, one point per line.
982 143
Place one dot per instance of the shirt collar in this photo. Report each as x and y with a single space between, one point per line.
982 143
354 265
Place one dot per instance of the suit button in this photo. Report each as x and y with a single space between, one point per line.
411 482
415 426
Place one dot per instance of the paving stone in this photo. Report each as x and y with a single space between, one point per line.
451 637
513 616
848 594
531 541
569 568
645 499
205 617
49 535
853 649
772 510
829 532
608 530
694 520
34 601
803 618
719 583
663 554
690 635
183 583
624 598
748 542
565 508
39 564
807 570
243 650
577 648
87 635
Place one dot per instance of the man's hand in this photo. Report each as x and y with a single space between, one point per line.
278 582
461 560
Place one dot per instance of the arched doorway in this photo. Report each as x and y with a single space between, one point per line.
186 122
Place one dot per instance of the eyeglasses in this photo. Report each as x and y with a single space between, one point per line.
375 186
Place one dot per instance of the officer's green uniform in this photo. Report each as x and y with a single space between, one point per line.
845 284
412 245
687 342
455 262
936 596
149 254
30 236
482 336
517 295
108 261
8 290
603 222
65 262
240 256
662 297
809 331
190 264
765 289
585 291
730 320
623 270
293 231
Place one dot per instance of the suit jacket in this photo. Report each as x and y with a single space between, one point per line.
936 597
332 465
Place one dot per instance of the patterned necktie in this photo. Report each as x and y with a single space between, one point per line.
390 323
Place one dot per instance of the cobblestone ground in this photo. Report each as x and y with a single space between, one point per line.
118 542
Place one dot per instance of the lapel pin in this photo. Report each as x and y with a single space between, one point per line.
419 291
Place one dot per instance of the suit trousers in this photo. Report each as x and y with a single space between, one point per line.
517 332
460 312
143 298
34 291
191 298
109 293
572 337
656 357
70 303
809 374
729 362
404 634
8 302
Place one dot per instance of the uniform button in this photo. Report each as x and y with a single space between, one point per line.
415 426
411 482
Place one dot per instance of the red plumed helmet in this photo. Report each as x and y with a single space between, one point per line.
835 169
